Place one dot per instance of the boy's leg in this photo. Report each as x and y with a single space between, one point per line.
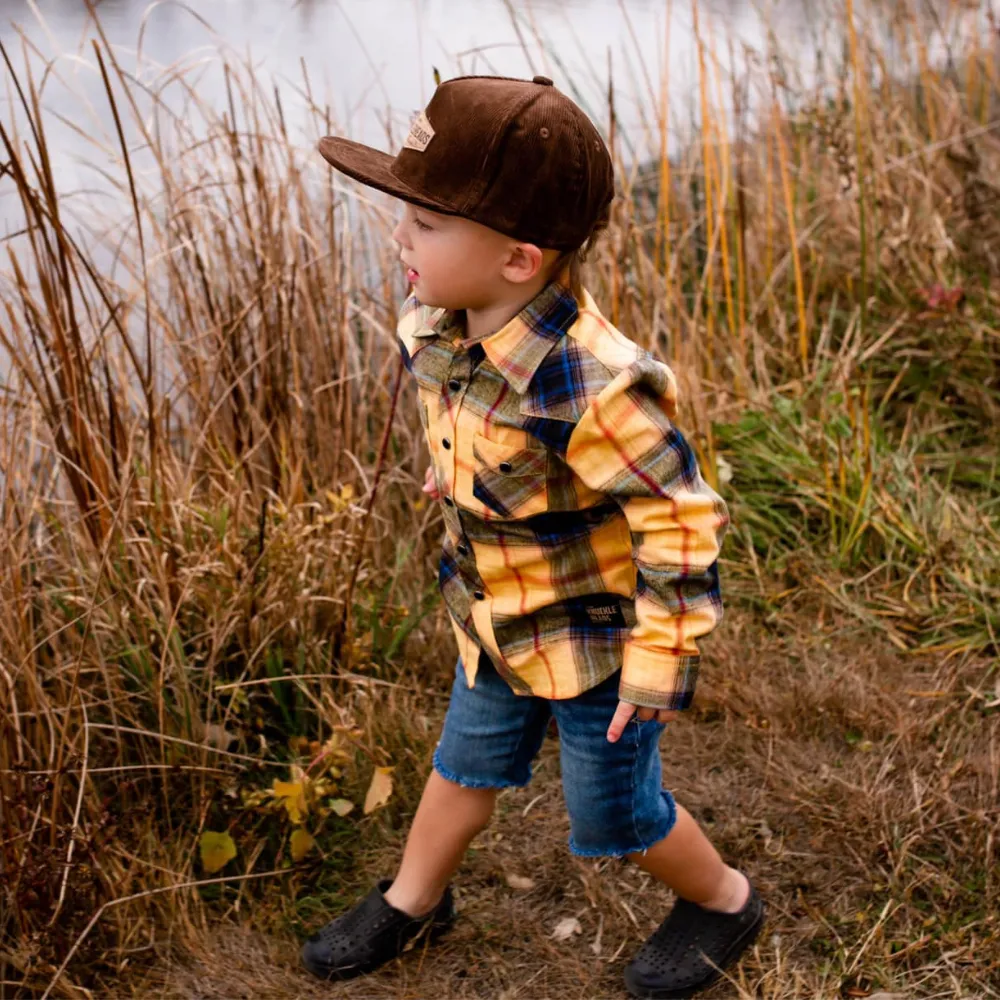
489 740
717 916
618 807
686 862
447 819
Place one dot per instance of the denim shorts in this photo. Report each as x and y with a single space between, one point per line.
613 794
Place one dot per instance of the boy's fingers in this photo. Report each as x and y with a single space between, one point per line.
620 720
625 711
430 485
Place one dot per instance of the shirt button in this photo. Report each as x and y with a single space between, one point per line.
454 384
449 502
506 467
445 443
463 550
479 595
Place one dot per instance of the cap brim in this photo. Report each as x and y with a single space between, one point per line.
372 167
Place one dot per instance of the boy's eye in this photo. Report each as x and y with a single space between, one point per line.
420 224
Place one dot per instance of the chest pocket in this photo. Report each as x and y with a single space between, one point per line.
510 480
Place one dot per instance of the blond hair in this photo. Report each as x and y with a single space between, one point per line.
574 261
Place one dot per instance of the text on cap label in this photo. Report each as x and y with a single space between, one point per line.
420 135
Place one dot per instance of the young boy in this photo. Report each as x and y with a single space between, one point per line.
579 562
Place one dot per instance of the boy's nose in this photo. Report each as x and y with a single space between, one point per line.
399 234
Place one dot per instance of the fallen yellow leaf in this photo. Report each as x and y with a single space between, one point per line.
302 843
380 790
217 850
342 806
292 795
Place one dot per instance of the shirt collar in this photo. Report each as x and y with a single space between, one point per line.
518 348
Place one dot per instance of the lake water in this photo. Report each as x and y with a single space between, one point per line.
372 60
374 55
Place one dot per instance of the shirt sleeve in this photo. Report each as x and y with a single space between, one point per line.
627 447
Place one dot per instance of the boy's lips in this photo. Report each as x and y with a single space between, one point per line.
412 275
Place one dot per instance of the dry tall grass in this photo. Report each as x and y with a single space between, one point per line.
212 546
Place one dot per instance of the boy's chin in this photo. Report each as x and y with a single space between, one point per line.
432 301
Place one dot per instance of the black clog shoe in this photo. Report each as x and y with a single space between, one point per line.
370 934
689 950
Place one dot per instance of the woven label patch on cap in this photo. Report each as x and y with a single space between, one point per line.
420 135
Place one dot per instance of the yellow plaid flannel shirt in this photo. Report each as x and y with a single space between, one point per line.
580 537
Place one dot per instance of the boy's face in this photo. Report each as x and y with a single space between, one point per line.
454 263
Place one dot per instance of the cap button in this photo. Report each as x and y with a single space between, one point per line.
543 80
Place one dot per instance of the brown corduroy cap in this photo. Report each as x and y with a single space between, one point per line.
515 155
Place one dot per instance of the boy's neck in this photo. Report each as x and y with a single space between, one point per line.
481 323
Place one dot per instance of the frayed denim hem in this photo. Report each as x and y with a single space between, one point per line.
594 852
457 779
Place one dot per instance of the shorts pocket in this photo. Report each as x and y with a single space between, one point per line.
510 480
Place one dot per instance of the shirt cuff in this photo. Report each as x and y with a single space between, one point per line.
652 678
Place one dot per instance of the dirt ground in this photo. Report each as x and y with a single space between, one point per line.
857 785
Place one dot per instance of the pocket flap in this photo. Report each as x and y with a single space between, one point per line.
510 461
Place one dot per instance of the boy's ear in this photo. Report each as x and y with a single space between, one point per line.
524 261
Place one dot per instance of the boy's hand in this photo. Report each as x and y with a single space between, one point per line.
430 486
626 710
